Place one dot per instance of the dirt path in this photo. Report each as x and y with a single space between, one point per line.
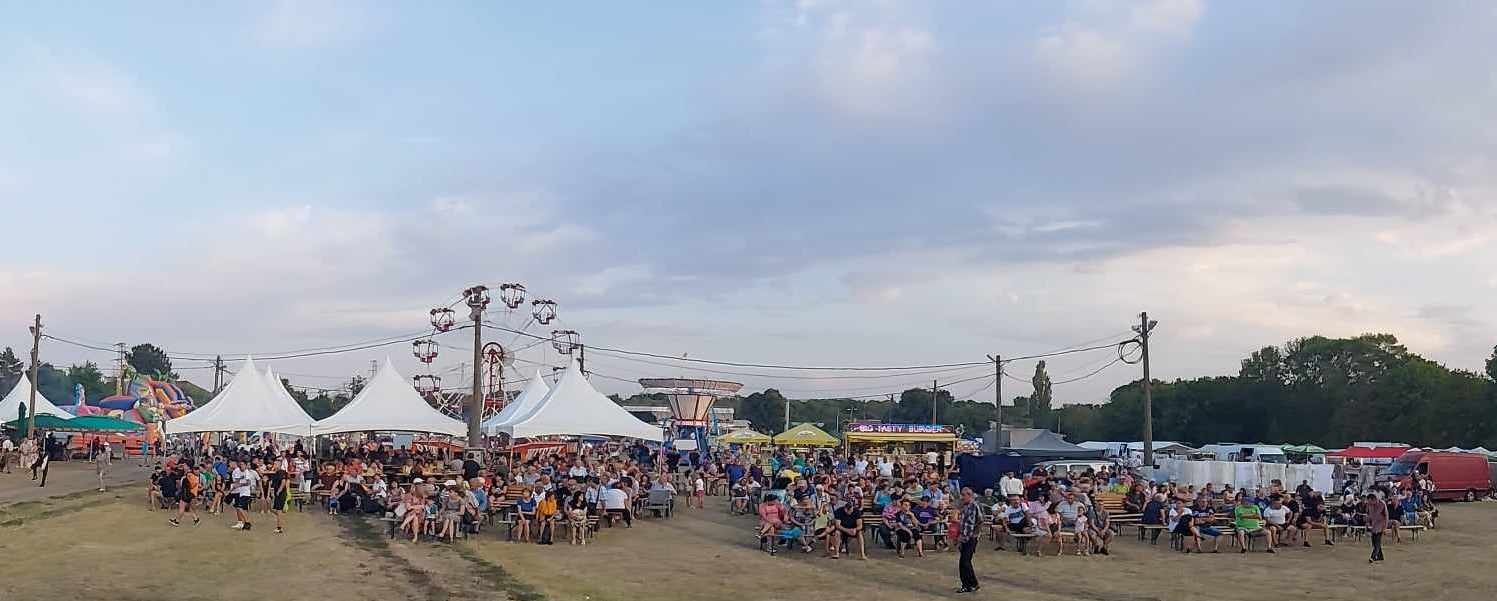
67 477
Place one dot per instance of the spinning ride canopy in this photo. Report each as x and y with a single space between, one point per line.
389 403
248 404
520 408
691 399
19 395
574 407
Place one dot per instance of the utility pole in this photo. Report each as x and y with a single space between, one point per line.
119 368
1143 329
582 358
934 398
787 413
373 368
998 396
36 350
218 372
477 300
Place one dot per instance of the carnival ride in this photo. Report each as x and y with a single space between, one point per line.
691 402
496 359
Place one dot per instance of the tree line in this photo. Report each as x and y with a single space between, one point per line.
1326 391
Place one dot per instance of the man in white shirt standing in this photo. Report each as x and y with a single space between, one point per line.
578 472
7 454
245 483
1010 486
861 465
885 467
616 504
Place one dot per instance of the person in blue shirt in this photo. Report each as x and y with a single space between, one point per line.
481 495
735 472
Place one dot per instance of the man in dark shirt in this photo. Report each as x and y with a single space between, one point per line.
849 527
470 468
1154 516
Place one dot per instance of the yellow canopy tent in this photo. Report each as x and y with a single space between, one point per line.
806 435
744 437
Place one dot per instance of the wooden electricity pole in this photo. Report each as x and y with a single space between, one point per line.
1143 329
934 395
36 350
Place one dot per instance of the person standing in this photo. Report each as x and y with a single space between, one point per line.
49 445
101 465
1377 522
29 455
7 449
246 482
967 529
188 488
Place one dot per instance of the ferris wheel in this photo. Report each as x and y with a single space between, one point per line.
507 326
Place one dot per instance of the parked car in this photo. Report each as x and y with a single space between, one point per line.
1457 476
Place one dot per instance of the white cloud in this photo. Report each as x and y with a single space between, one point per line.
1103 44
1174 17
293 24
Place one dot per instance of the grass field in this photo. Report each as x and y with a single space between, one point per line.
87 545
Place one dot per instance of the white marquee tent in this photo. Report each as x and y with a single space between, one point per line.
389 403
248 404
520 408
10 408
574 407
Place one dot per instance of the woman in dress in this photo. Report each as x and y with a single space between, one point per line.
29 454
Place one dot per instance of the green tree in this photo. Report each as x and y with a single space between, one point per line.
148 360
1039 401
92 380
1491 364
355 385
11 369
765 411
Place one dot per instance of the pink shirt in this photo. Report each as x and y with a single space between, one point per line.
771 515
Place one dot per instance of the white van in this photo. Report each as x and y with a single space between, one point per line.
1260 453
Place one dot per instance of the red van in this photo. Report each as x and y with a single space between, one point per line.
1463 476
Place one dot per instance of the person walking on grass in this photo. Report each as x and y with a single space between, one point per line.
245 485
280 495
101 465
970 521
1377 522
188 488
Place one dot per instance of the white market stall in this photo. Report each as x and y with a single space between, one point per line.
574 407
520 408
10 407
389 403
248 404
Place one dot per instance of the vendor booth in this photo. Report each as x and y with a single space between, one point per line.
899 440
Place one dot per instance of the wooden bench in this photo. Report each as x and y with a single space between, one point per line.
1143 528
1122 520
1025 541
1414 531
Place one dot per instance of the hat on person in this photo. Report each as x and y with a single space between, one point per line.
417 481
450 483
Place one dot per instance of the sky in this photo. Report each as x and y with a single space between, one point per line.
812 182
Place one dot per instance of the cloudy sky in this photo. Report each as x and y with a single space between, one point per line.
812 182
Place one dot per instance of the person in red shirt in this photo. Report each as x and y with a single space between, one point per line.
772 517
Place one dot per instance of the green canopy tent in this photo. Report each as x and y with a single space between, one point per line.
90 423
744 437
101 423
806 435
43 421
1302 450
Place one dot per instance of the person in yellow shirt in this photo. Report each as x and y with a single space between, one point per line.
545 516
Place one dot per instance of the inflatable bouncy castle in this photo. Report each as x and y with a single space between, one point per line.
145 401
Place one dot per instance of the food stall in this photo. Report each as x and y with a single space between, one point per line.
901 440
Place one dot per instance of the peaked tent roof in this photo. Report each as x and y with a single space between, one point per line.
744 437
247 404
574 407
388 402
11 406
521 407
1045 443
806 435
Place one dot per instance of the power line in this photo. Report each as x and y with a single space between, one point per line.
612 355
